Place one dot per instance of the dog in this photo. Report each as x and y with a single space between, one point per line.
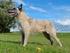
29 26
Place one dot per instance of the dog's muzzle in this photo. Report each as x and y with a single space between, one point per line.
12 12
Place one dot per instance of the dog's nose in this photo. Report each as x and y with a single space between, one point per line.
14 8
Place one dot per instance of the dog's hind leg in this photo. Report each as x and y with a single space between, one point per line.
47 35
58 41
53 34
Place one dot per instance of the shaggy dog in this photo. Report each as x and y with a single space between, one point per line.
29 26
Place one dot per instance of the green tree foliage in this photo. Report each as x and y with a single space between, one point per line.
6 22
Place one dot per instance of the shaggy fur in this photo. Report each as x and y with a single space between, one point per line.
28 26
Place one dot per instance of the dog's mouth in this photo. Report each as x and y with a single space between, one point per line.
12 12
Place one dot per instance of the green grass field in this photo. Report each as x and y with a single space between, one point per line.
10 43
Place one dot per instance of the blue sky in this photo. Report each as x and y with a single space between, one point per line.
54 9
57 11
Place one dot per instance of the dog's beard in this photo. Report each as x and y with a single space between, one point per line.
12 14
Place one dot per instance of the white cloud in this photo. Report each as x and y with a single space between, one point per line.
38 9
64 8
61 7
63 22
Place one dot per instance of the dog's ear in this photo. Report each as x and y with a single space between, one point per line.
20 7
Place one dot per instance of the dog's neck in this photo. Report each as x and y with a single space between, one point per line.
22 17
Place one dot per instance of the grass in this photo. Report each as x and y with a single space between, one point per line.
10 43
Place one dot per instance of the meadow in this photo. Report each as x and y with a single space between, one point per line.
11 43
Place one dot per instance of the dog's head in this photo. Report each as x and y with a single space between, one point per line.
15 11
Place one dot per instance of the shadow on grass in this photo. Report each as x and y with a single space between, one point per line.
16 42
37 43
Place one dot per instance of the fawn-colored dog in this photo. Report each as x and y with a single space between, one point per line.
29 26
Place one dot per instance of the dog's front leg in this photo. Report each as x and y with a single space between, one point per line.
22 37
26 38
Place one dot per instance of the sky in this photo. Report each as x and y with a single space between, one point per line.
57 11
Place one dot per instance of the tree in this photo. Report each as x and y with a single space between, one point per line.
6 22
